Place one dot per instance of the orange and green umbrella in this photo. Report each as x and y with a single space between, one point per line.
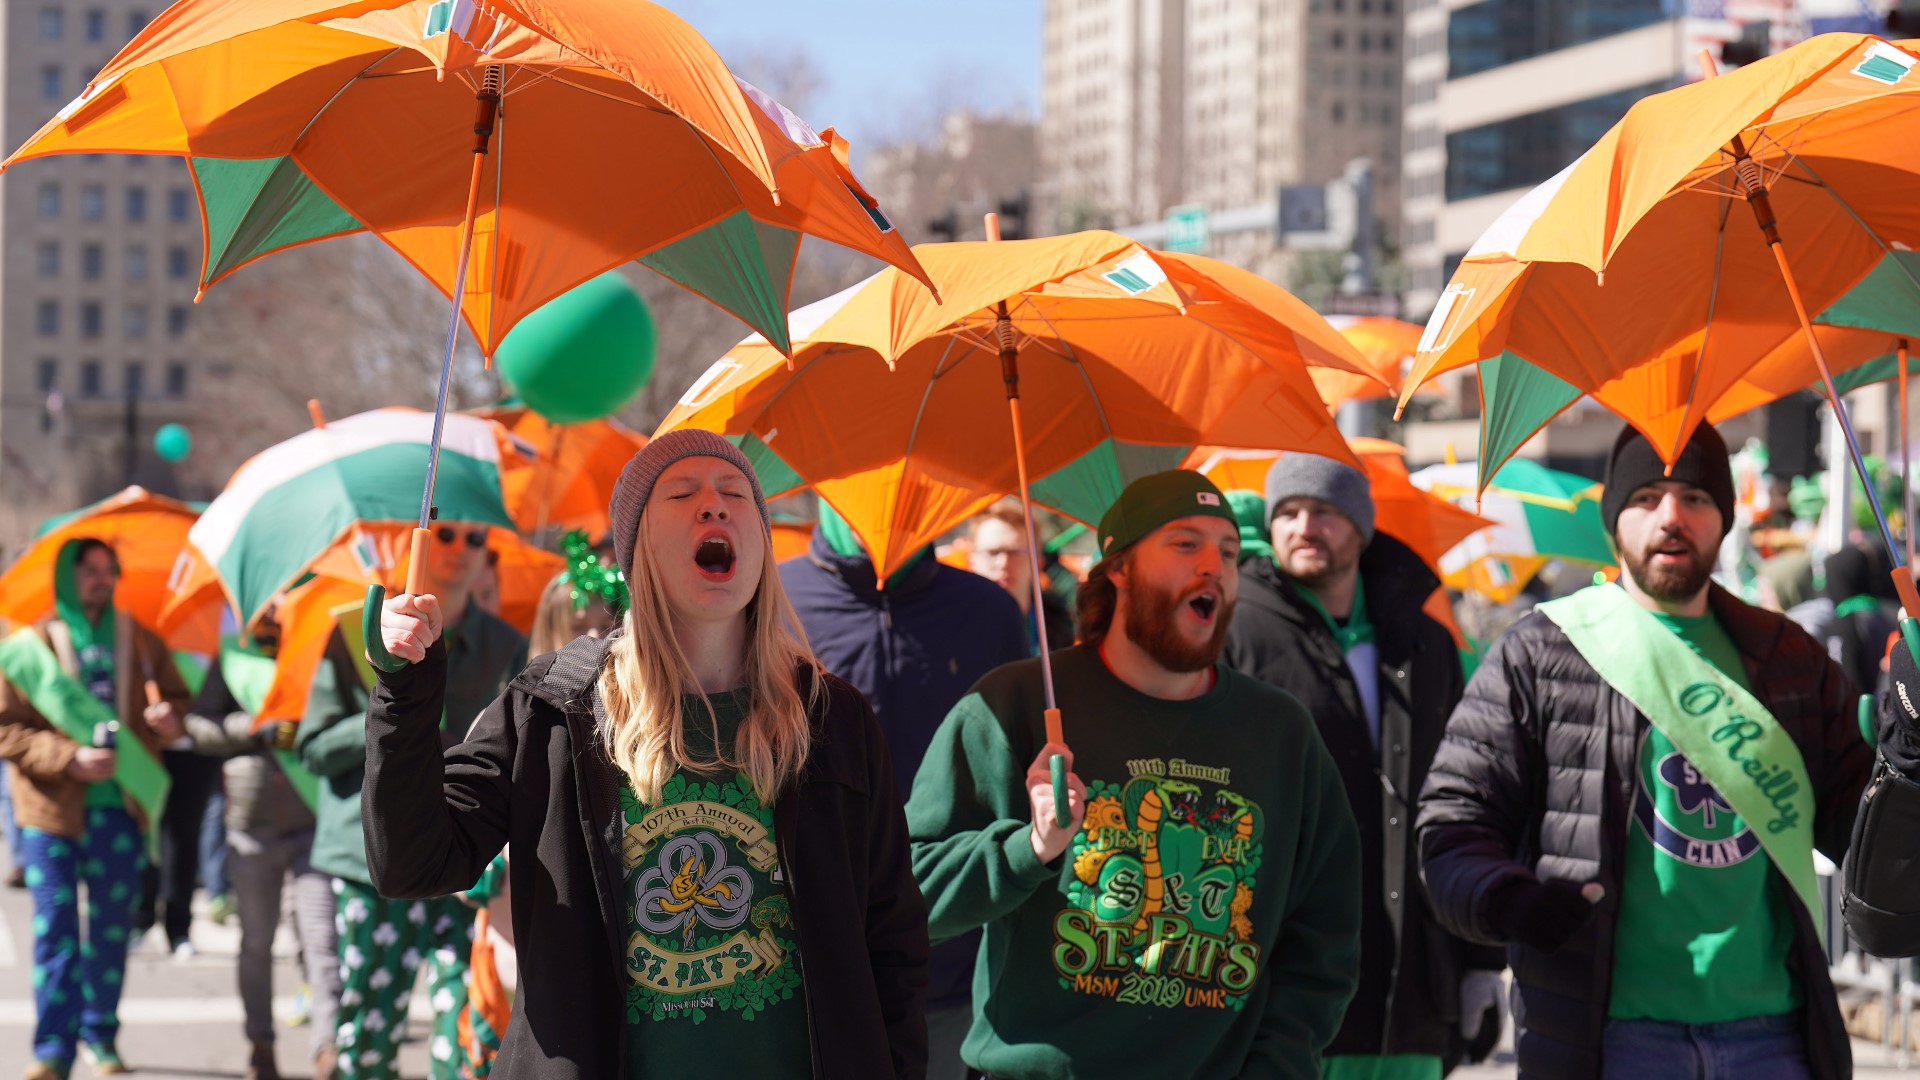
894 408
899 408
1637 278
1537 515
148 534
564 477
1386 346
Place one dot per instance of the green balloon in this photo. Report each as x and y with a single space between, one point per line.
583 354
173 442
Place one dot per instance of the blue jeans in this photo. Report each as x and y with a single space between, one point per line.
12 830
77 979
1762 1048
213 845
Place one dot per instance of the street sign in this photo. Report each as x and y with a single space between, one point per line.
1187 229
1303 209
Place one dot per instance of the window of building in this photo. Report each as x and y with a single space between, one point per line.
136 380
1494 33
177 379
90 383
137 21
176 320
49 200
96 25
1339 112
136 204
47 258
137 263
179 204
93 202
179 263
136 320
90 319
53 23
93 261
46 318
50 83
1525 150
1366 41
1338 39
49 376
1386 41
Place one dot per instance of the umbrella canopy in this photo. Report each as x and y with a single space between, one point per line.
1386 346
1538 514
295 502
1637 277
148 534
620 135
564 477
1126 359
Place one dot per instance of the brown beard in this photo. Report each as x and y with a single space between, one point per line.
1150 625
1668 584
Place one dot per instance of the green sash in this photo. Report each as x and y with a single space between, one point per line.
249 676
1721 728
30 665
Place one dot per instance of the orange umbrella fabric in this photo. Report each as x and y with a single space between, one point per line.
1385 345
620 134
148 533
1127 359
565 478
1635 275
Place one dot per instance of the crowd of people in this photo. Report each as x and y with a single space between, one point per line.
795 820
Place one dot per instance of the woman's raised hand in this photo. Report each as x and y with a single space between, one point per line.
409 625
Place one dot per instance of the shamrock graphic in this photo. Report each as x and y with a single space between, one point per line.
1691 790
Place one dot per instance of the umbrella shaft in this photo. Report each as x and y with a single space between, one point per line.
1033 551
453 338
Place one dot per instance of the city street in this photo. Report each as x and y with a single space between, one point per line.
179 1018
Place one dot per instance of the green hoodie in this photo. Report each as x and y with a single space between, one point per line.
1205 921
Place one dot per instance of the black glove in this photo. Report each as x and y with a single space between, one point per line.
1539 915
1899 721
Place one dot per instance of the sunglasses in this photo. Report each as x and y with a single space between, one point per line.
446 534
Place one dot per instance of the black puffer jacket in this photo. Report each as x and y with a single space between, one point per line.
1536 777
532 771
1410 969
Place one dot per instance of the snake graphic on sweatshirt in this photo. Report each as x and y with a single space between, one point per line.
1164 869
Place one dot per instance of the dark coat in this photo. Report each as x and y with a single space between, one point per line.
1536 778
532 772
1881 897
1410 969
913 649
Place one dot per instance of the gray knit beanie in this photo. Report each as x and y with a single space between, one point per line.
643 471
1335 483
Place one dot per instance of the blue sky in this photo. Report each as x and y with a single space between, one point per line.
885 70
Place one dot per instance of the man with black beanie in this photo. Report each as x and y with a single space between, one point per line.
1629 799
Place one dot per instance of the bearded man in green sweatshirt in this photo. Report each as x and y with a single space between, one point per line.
1200 914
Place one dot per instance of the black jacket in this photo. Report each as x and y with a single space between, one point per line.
532 772
1536 778
1410 969
1881 898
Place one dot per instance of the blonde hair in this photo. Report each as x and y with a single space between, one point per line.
552 617
646 675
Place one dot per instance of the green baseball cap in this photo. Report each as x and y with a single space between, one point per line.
1152 501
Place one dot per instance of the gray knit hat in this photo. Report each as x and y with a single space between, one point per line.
643 471
1335 483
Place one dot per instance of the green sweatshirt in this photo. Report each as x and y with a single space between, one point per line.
1205 922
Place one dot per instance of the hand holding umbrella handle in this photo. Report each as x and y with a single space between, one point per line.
377 652
1057 765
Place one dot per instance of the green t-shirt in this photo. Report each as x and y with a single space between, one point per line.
1704 931
1205 919
712 959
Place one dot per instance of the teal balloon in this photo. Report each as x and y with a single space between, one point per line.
173 442
583 354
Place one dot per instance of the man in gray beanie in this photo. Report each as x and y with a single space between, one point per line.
1334 616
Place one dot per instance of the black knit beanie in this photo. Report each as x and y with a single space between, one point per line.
1634 465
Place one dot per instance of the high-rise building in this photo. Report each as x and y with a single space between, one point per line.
1150 105
101 257
1502 94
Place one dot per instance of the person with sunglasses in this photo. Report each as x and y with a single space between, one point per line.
384 942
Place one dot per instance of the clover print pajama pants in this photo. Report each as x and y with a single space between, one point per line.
382 945
77 978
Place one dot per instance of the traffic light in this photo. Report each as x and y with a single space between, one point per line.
946 227
1751 45
1903 19
1013 217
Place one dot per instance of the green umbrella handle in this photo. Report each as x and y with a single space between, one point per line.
1063 813
370 630
1910 633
